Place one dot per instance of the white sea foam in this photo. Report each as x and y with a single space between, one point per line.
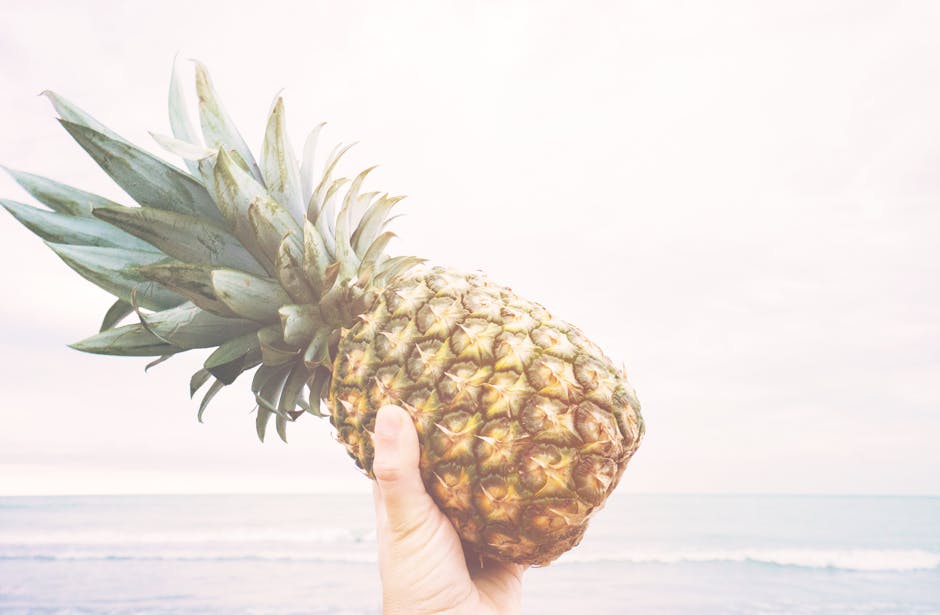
200 555
231 535
862 560
886 560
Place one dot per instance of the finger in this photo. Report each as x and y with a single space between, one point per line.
395 467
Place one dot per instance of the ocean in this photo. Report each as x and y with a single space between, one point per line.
257 554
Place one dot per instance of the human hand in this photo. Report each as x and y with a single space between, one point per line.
423 564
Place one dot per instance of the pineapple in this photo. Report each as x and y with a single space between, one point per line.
525 425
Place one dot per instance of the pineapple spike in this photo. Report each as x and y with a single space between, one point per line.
235 191
370 224
299 323
262 419
156 362
394 267
290 271
271 386
72 113
326 220
352 194
59 197
373 254
116 313
73 230
190 153
293 387
218 130
307 166
215 388
318 351
147 179
317 200
128 341
188 326
116 270
274 351
249 296
347 259
319 385
316 259
280 424
279 165
194 282
180 122
359 208
186 238
197 380
270 224
233 357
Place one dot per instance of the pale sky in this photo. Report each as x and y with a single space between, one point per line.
739 201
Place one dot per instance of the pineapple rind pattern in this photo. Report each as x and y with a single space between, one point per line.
525 427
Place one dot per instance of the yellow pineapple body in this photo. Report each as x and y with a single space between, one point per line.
525 426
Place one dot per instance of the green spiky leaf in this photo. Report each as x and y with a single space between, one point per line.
319 385
116 313
317 353
71 113
373 255
218 129
300 323
267 385
189 326
248 295
194 282
290 271
198 379
186 238
74 230
262 419
307 178
274 350
233 357
180 123
316 259
235 190
190 153
293 387
396 266
318 200
345 256
116 271
215 388
270 224
59 197
269 390
279 164
147 179
129 341
369 227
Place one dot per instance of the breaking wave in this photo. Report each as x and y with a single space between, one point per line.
868 560
861 560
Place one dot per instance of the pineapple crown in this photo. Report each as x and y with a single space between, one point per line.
266 263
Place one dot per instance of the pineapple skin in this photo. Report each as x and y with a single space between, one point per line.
525 425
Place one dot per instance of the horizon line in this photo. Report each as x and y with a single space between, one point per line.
365 492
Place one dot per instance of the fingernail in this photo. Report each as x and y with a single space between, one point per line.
388 423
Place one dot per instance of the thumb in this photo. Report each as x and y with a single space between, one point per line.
395 467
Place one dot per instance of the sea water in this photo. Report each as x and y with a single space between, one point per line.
317 553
